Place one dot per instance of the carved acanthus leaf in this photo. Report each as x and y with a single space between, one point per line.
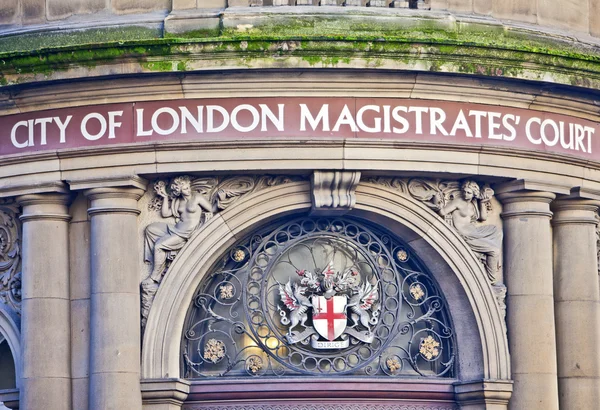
10 255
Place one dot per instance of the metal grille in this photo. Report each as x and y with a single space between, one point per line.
318 297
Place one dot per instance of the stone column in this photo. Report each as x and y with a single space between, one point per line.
115 299
576 305
530 300
45 323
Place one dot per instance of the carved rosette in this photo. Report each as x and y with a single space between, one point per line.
10 255
464 205
218 192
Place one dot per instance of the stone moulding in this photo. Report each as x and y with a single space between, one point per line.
333 191
189 202
10 255
464 205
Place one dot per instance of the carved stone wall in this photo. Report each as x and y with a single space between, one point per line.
10 256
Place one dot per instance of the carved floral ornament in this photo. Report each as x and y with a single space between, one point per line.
10 256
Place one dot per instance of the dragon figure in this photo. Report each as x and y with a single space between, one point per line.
361 301
296 302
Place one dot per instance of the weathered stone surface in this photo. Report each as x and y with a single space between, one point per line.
60 9
483 6
9 11
461 5
132 6
211 4
594 16
34 11
567 14
520 10
184 4
238 3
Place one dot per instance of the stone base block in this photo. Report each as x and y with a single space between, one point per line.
300 2
188 21
328 3
357 3
377 3
238 3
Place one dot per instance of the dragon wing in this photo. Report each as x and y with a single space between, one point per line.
370 295
287 296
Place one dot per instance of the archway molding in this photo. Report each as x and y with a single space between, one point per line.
9 331
480 331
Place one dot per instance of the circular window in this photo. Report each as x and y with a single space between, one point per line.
319 297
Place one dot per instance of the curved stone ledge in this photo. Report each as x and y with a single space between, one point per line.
21 174
292 37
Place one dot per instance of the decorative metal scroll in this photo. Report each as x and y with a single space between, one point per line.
318 297
10 255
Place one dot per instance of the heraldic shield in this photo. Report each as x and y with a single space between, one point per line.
329 317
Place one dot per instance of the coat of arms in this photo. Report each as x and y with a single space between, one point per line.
329 308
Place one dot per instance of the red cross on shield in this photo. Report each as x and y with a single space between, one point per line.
328 317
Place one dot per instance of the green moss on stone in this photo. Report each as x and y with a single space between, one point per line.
325 41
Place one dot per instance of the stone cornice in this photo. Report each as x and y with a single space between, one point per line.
435 41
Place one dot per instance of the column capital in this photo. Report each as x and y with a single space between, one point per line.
575 211
49 206
124 181
114 200
524 203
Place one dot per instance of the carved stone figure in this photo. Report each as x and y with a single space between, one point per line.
467 208
191 202
463 206
186 206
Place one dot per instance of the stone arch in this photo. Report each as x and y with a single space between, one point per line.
9 331
481 335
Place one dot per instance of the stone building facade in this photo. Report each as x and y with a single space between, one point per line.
255 204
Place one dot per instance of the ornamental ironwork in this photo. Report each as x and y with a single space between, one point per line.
329 296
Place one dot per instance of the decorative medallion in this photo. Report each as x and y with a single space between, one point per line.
214 350
254 364
402 255
416 291
393 364
429 347
318 297
226 291
239 255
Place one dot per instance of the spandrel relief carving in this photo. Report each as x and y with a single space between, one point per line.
466 205
181 206
10 256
